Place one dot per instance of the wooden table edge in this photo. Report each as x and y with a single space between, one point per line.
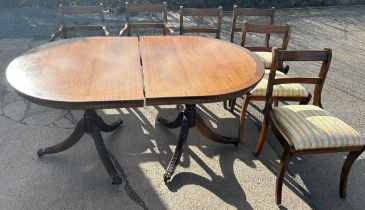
199 99
83 105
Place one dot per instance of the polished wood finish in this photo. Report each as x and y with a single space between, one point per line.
289 150
251 12
80 73
201 12
143 8
105 72
80 10
193 69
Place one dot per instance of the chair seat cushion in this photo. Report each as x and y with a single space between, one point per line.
310 127
282 90
266 58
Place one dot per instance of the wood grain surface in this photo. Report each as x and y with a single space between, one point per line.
80 73
192 69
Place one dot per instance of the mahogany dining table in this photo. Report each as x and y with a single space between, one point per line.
90 73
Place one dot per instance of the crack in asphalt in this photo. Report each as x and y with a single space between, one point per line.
132 194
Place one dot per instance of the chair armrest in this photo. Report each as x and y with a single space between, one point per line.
56 34
121 32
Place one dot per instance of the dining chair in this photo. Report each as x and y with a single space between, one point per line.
68 11
201 12
307 129
251 12
133 9
285 92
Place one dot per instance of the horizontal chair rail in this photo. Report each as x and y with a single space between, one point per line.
302 56
81 10
146 7
201 12
260 49
146 25
307 80
280 29
201 30
83 28
254 12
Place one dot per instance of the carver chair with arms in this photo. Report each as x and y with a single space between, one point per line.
66 11
145 8
201 12
307 129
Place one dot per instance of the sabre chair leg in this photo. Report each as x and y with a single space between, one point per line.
66 144
108 128
184 131
351 157
242 117
262 137
284 162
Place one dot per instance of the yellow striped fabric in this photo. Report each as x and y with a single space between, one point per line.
310 127
266 58
282 90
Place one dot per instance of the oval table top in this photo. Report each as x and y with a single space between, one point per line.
111 72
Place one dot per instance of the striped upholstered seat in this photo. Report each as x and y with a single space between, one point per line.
266 58
310 127
282 90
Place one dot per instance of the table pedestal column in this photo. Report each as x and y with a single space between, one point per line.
92 124
187 119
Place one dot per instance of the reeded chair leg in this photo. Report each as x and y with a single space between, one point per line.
242 117
351 157
284 162
262 137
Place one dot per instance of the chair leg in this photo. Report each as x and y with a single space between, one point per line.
225 104
276 103
262 137
232 104
284 162
242 117
351 157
